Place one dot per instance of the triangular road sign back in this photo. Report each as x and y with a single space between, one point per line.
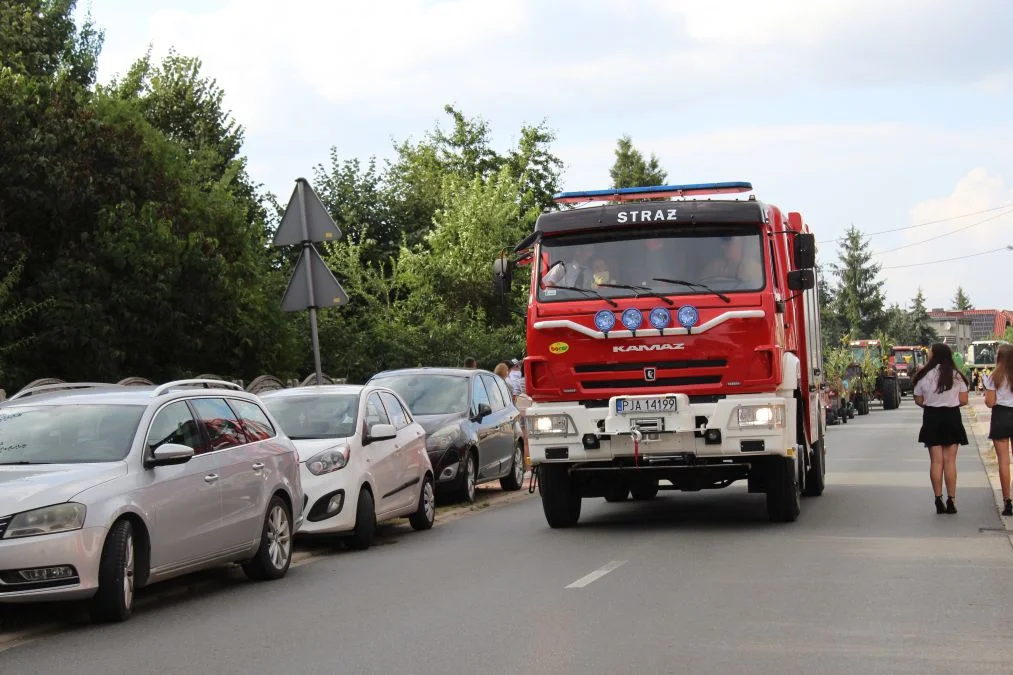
319 224
327 292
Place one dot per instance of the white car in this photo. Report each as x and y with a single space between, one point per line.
362 459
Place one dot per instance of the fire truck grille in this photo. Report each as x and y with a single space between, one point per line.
660 383
660 365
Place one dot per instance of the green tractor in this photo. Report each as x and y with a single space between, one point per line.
870 376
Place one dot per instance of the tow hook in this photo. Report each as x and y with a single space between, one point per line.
533 482
637 437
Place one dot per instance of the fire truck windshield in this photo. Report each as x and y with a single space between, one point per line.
665 261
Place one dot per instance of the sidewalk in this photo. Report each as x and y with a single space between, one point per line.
976 418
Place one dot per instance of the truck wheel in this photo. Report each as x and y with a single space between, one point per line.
559 502
783 495
891 395
815 479
645 492
617 493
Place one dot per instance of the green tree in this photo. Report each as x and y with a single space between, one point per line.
922 331
830 321
630 169
13 314
900 326
860 290
961 301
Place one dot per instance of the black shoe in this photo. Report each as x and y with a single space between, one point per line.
1008 509
940 508
950 507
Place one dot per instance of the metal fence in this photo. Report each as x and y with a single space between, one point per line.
258 385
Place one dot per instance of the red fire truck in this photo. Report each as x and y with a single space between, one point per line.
673 343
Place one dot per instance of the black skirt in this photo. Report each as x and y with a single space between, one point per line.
1001 426
942 426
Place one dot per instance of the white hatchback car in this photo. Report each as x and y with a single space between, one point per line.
362 457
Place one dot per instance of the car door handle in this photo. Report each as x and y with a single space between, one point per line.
258 466
211 478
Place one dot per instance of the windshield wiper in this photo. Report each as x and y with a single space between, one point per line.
20 463
587 291
649 292
692 284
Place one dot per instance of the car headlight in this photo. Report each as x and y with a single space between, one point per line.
549 425
443 439
329 460
47 520
758 416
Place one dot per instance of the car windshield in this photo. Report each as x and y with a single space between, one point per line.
984 353
430 394
323 416
703 260
67 434
859 354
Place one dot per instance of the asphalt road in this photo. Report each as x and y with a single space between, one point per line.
869 580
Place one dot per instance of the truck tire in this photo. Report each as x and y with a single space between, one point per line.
891 395
646 491
815 479
617 493
784 499
559 502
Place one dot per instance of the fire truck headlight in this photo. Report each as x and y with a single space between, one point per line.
758 416
632 318
549 425
660 318
688 316
604 320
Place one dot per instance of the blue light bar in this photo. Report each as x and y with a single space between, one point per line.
653 191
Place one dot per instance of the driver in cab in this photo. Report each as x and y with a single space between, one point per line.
576 273
732 264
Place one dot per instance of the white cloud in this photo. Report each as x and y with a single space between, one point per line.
986 278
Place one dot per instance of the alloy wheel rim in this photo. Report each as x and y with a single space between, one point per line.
471 478
279 537
428 501
128 573
518 465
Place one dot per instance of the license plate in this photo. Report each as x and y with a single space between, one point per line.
633 406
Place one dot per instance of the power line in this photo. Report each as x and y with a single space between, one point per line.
925 224
959 257
946 234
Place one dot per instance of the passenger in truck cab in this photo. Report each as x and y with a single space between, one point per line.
735 263
575 272
600 272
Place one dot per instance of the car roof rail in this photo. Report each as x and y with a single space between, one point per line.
60 386
208 384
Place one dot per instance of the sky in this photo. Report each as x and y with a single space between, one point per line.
885 114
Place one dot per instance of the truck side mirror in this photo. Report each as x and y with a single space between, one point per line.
801 280
501 275
805 251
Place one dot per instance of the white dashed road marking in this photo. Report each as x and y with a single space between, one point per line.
597 574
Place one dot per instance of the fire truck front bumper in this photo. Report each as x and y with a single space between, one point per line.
662 427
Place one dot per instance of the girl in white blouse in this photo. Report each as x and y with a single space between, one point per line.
999 397
940 389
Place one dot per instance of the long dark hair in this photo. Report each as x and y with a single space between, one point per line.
1003 373
942 356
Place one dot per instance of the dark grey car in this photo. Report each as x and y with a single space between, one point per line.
472 426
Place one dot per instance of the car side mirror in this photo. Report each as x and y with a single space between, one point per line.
801 280
382 432
804 251
502 275
484 410
169 454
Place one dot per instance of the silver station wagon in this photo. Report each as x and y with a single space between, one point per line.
105 489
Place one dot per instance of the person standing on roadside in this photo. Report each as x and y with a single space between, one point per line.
516 377
503 370
940 389
999 397
470 362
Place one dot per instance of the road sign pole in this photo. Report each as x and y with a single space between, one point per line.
314 335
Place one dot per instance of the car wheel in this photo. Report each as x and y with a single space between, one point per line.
645 492
274 555
469 478
425 514
114 599
515 479
617 493
365 522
